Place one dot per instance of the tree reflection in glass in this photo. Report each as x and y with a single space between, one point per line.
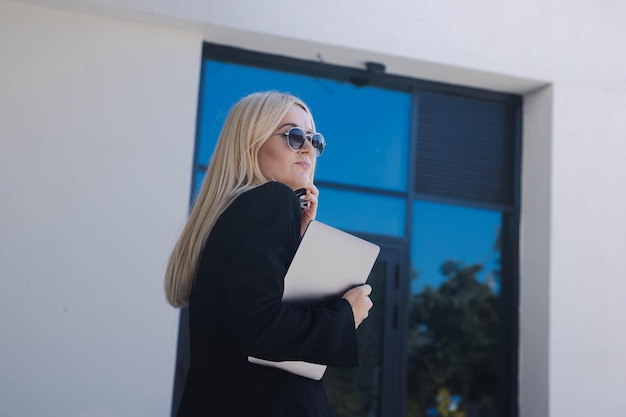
454 349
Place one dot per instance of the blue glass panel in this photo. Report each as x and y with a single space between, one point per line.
362 212
444 232
454 325
367 129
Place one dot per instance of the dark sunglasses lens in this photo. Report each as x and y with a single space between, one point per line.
318 143
296 139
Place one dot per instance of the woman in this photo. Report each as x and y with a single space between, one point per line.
230 260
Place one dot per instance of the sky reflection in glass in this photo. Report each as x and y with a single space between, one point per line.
367 128
443 232
362 212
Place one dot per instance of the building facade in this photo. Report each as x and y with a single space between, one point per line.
101 138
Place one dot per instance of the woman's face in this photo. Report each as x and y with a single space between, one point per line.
278 162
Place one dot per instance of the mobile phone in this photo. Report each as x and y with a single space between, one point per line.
303 203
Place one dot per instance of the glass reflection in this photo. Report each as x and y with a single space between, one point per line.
454 356
364 141
362 212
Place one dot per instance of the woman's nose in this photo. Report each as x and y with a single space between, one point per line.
307 146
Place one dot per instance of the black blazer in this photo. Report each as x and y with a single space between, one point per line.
236 311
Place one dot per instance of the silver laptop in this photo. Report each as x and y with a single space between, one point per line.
327 263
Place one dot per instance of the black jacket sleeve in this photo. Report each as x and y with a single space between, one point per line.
246 258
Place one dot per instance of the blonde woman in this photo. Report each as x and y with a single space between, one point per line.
230 260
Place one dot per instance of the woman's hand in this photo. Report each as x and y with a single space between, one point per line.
359 300
310 212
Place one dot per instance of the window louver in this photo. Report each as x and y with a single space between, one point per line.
464 150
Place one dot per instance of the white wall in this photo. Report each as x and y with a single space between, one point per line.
93 126
588 272
97 120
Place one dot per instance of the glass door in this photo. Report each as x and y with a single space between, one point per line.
361 391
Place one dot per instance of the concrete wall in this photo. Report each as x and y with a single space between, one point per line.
97 107
97 120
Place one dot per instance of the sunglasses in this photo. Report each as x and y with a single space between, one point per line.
296 137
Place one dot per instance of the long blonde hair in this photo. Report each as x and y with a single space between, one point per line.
233 169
